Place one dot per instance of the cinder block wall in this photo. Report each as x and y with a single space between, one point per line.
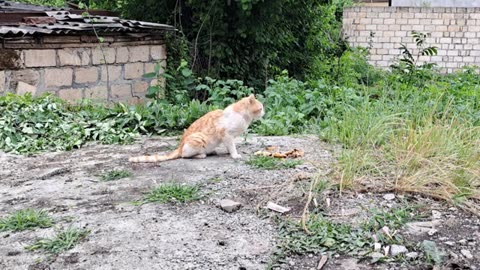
77 73
455 31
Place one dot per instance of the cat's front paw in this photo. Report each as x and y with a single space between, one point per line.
236 156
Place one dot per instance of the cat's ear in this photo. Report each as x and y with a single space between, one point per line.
251 98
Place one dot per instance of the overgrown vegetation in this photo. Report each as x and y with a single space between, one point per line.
325 235
173 193
63 241
26 219
248 40
116 175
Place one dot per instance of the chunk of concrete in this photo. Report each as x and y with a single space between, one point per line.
229 206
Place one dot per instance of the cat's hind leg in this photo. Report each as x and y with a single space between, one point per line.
194 147
189 151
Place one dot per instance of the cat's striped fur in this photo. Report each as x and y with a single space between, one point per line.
212 129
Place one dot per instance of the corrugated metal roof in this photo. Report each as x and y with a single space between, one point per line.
67 22
10 6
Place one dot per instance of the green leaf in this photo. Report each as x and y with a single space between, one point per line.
432 252
152 91
157 68
186 72
150 75
167 76
329 242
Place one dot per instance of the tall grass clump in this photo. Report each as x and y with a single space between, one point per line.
440 159
423 139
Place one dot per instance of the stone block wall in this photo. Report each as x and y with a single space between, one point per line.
455 31
116 74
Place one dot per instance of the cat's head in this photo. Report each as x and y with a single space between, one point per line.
254 107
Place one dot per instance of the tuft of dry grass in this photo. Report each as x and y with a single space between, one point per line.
436 157
440 160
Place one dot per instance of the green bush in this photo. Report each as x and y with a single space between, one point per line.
248 40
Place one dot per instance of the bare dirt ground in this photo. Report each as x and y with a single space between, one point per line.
197 235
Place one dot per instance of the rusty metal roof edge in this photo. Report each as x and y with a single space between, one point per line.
69 21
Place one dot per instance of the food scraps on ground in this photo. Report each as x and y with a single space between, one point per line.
272 151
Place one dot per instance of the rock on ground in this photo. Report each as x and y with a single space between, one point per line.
229 206
397 250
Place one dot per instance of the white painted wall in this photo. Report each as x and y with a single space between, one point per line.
436 3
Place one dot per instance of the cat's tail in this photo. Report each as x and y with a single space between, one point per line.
156 158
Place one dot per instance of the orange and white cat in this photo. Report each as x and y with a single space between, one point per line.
212 129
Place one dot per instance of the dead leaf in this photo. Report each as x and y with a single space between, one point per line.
386 230
295 153
262 153
322 262
272 151
387 250
271 148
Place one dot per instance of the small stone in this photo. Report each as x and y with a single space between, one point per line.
376 256
277 208
450 243
466 253
417 228
411 255
389 196
432 232
453 255
443 238
397 250
229 205
292 263
436 214
462 241
302 176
